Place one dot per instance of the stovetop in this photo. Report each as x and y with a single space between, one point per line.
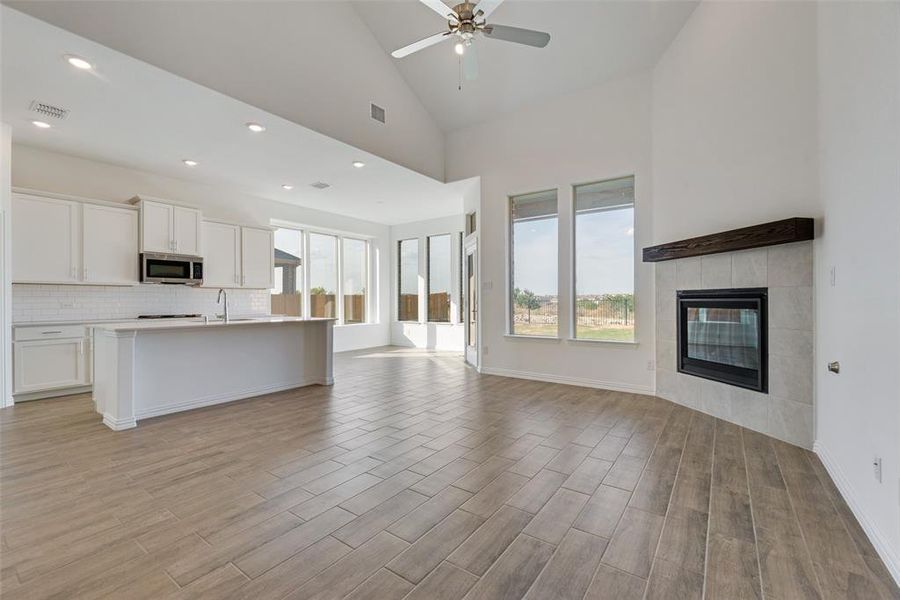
196 316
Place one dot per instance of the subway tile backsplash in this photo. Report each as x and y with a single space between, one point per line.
41 303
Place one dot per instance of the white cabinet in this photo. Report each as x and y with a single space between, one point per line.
221 254
156 227
66 241
257 258
46 240
235 256
110 241
169 229
51 358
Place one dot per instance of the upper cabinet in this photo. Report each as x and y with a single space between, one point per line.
46 240
221 255
110 236
169 229
235 256
257 257
65 241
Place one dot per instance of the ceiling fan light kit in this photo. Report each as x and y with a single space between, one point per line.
464 22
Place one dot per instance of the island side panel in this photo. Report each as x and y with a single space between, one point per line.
114 378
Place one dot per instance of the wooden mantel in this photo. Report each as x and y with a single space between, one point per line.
796 229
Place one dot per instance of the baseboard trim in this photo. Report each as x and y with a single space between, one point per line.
890 559
614 386
118 424
214 399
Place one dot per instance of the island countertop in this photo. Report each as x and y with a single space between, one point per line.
163 324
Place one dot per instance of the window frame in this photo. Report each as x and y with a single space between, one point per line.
428 238
366 277
511 268
573 319
371 294
400 281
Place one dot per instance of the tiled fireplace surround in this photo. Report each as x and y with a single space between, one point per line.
786 412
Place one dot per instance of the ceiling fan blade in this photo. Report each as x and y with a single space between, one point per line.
486 7
529 37
440 8
470 63
421 44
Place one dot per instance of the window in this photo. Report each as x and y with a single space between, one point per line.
355 277
408 284
323 276
439 278
604 260
533 250
287 294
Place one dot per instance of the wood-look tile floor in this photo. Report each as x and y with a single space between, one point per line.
414 477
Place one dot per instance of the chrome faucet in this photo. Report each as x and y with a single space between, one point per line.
219 299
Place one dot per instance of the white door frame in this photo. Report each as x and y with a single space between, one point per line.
471 349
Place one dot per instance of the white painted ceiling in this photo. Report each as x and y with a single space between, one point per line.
313 55
131 113
591 42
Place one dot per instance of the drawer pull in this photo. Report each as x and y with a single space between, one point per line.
49 332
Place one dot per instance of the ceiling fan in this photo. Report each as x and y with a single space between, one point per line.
466 20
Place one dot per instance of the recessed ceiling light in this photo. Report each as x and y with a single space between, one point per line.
78 62
189 162
255 127
288 186
358 164
41 124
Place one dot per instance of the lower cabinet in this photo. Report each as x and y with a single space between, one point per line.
48 358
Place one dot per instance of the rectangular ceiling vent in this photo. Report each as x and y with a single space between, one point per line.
48 110
320 185
377 112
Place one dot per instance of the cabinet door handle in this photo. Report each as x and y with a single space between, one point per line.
50 332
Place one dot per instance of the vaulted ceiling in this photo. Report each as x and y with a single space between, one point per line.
591 42
320 63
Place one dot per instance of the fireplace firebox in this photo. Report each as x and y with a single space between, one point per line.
722 335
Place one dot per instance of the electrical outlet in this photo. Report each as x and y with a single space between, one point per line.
876 466
651 366
832 275
67 304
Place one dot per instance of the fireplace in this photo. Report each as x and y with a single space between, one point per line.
722 336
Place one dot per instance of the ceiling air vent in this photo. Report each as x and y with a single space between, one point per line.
377 113
48 110
320 185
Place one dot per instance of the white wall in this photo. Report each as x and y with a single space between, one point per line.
5 286
734 120
437 336
859 316
600 133
54 172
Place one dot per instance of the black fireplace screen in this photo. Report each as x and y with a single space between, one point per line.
722 336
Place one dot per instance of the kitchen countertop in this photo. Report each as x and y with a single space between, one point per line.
173 324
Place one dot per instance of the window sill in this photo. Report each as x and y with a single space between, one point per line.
354 324
625 343
545 338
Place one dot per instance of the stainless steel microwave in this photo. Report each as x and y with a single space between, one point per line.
171 268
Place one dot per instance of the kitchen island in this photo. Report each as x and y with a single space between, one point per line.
147 369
